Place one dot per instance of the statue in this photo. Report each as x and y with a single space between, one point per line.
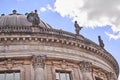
77 28
101 44
33 18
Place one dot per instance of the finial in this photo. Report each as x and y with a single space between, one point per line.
2 14
14 11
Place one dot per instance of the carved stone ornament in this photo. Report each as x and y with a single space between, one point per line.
99 73
38 61
111 76
9 64
63 64
33 18
85 66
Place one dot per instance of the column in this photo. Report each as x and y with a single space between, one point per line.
38 65
86 70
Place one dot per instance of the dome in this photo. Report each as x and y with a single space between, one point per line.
16 21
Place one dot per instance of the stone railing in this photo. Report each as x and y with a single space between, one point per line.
9 29
57 32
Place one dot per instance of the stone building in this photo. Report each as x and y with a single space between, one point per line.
31 49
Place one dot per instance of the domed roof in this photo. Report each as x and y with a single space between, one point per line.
14 20
18 20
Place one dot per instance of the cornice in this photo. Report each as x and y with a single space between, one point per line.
62 37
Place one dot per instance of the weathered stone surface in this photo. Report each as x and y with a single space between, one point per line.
39 54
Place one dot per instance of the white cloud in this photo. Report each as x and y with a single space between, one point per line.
46 8
92 13
113 36
42 9
49 7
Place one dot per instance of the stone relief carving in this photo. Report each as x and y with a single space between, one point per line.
38 61
111 76
100 73
85 66
9 63
63 64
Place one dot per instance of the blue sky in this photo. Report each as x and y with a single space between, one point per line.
96 19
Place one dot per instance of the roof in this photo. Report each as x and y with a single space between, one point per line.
15 21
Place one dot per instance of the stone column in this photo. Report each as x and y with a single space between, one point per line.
38 65
86 70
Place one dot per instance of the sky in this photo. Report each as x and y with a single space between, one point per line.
97 17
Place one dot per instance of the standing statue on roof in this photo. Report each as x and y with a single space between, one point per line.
33 18
77 28
101 44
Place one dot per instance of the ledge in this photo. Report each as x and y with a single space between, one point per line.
63 37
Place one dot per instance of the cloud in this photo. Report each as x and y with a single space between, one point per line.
113 36
46 8
42 9
49 7
92 13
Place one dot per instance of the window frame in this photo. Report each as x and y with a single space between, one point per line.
5 72
65 72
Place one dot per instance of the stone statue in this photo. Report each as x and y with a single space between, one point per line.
77 28
33 18
101 44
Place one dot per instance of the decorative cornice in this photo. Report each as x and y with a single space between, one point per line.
62 37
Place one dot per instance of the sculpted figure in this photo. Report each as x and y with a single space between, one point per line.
77 28
100 42
33 18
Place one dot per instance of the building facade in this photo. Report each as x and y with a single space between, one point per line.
31 49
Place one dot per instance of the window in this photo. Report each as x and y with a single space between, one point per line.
61 75
10 75
97 78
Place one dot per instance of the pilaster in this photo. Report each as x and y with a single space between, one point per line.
38 62
85 68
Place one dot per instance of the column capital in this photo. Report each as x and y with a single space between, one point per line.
85 66
38 61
